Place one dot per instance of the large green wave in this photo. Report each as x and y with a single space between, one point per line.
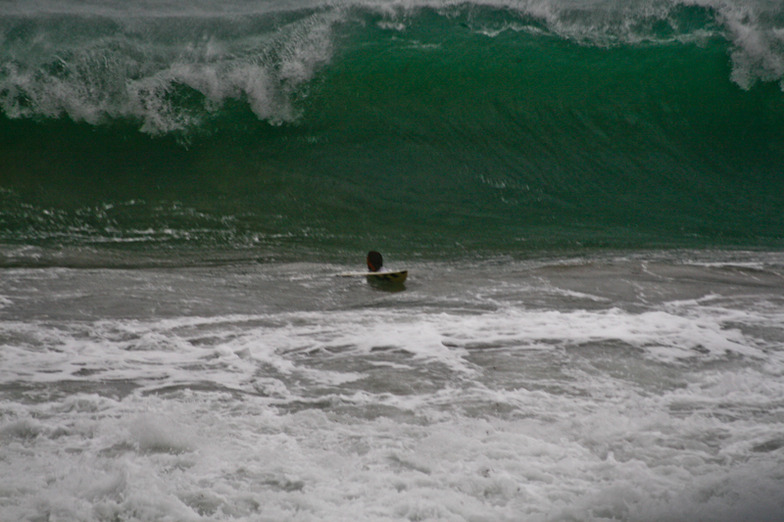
467 128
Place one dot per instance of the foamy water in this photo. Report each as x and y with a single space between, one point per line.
642 388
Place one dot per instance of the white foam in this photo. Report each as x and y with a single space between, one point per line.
758 45
136 70
167 349
369 405
128 74
559 457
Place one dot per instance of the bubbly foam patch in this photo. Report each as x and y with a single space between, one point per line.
630 456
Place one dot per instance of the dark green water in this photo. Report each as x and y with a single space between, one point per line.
468 130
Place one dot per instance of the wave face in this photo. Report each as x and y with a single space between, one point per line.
422 126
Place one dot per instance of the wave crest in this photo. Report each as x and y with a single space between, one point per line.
171 70
167 79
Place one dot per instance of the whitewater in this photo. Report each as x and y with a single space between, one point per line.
595 388
110 60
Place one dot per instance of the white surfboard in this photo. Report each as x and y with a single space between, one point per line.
397 277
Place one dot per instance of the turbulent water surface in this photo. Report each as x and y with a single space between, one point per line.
588 196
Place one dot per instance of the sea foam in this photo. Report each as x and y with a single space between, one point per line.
173 68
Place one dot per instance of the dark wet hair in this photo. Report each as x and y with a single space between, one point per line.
375 259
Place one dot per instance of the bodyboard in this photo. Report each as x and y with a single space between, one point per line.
397 277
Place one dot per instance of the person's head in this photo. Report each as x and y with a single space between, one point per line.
374 261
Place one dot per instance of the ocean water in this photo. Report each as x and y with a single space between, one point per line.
588 196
